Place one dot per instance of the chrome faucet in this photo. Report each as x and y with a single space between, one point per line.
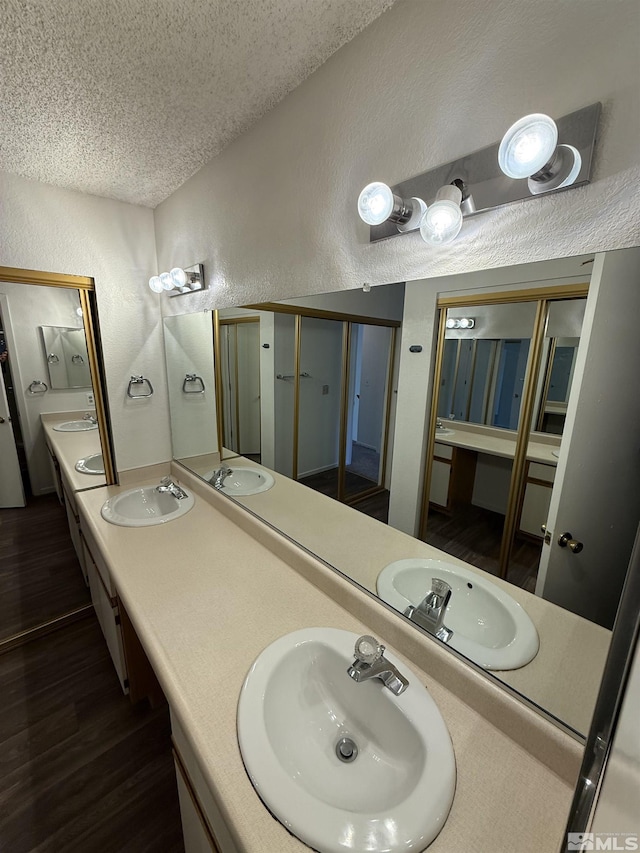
370 662
167 485
439 424
218 477
89 417
430 613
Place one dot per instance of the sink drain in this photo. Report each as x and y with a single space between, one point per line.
346 750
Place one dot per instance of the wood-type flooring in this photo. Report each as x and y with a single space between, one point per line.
40 576
81 770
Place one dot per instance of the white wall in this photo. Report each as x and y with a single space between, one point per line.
274 215
25 309
46 228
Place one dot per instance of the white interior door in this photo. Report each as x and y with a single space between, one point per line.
11 491
596 496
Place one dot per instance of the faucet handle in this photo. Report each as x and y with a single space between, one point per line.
165 481
368 649
440 587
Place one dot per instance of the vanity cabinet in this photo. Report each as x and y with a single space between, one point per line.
203 827
536 498
74 525
107 610
452 476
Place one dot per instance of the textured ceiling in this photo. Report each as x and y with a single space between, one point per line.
129 98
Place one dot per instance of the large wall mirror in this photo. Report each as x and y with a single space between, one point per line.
515 493
50 372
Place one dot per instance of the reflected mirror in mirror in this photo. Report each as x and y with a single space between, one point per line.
545 477
45 383
66 357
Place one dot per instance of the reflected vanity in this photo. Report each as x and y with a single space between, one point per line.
505 433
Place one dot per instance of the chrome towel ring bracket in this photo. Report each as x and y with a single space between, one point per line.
38 387
139 382
193 384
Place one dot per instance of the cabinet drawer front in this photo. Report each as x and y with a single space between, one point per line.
444 451
538 471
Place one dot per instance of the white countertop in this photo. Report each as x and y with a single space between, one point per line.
206 597
563 678
499 442
68 447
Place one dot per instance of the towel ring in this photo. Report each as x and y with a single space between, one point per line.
193 379
139 380
37 384
52 358
77 359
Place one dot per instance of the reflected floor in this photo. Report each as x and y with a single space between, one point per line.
40 575
474 535
375 506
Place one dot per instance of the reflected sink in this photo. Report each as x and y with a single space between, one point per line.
75 426
298 702
443 433
91 464
245 481
144 507
488 625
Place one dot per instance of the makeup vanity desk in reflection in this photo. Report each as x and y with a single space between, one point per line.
564 677
457 449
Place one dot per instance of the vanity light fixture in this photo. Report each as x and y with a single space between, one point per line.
460 323
377 204
529 149
536 148
181 280
442 220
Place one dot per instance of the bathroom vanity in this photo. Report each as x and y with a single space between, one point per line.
208 592
71 437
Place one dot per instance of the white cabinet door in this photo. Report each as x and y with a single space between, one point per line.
107 615
195 836
439 489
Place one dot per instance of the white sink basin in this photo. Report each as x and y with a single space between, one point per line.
297 702
245 481
443 433
75 426
144 507
488 625
91 464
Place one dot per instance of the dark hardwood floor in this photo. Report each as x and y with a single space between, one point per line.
40 576
474 535
326 482
80 768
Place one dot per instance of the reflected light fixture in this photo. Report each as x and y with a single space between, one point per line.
180 280
377 204
529 149
460 323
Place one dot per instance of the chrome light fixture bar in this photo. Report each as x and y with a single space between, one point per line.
560 160
179 280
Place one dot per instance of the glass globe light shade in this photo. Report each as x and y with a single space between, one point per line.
179 277
466 323
443 220
528 145
167 281
155 284
451 323
375 203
